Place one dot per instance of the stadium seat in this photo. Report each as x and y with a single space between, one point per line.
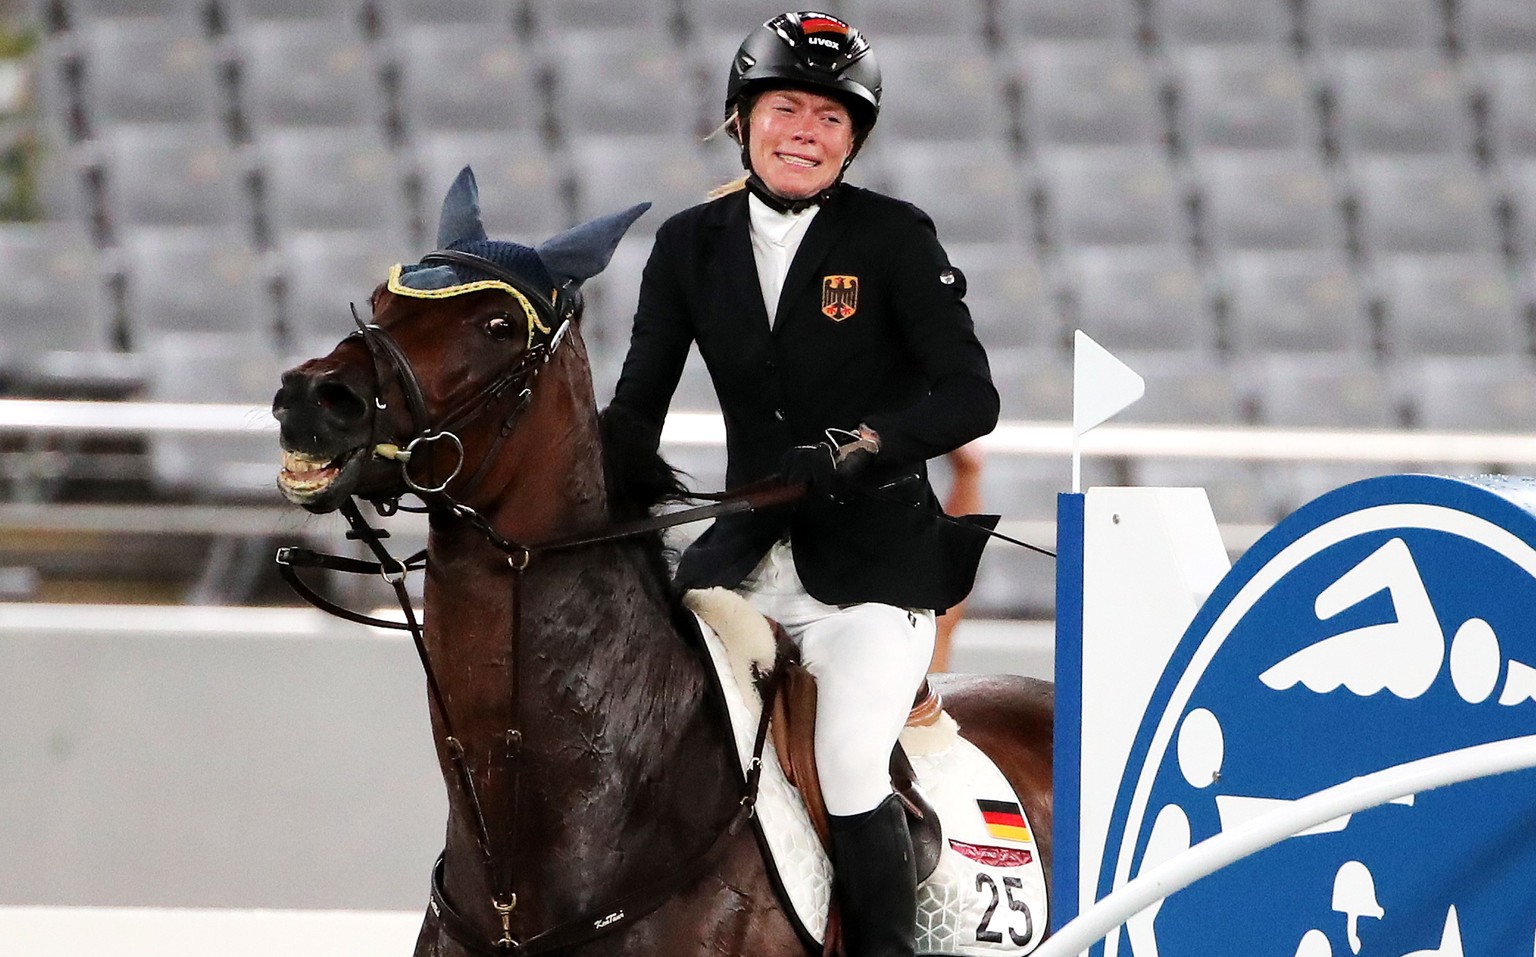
1510 87
620 83
212 368
1320 390
455 79
1235 488
1010 581
148 71
1089 94
1034 384
611 297
1109 196
401 17
882 19
307 74
1470 393
171 175
1381 24
1422 204
330 179
58 189
871 169
1138 299
1183 388
244 13
710 54
1290 485
54 90
1497 26
1243 97
1026 21
1007 295
1195 390
1519 183
1210 22
1400 101
523 191
652 20
1268 199
1025 487
670 172
195 280
970 189
1013 581
320 272
940 88
1292 302
1449 305
192 13
55 318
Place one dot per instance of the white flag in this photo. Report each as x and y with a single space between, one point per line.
1101 384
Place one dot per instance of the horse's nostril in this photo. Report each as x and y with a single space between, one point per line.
340 400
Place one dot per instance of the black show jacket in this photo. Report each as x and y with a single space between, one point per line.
892 348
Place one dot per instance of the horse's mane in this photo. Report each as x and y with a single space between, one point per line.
638 479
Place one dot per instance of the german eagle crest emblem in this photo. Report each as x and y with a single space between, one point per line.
839 297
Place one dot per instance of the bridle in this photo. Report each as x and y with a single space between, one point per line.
549 320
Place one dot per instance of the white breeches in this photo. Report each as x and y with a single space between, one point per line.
868 660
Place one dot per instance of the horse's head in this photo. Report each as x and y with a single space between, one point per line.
421 397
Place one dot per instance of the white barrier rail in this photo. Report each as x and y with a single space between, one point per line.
1348 797
1011 437
157 932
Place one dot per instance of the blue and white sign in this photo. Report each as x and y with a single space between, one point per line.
1388 625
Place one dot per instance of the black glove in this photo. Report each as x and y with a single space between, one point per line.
827 469
814 466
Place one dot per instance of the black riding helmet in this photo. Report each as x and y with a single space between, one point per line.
808 50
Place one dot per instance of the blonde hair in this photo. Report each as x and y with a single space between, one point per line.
729 128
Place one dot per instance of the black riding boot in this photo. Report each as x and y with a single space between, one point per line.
875 880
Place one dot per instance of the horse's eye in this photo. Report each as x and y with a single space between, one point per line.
499 328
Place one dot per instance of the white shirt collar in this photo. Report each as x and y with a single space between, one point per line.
775 240
776 227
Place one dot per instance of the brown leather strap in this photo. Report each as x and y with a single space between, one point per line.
745 499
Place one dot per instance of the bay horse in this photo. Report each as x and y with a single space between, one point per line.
594 795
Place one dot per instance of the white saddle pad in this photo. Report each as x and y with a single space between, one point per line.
987 896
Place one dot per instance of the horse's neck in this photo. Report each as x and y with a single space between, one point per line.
623 768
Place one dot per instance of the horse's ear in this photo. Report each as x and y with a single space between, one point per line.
460 220
582 252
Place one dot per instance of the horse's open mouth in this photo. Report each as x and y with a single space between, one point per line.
305 478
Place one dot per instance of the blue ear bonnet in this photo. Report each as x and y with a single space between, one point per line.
556 269
513 257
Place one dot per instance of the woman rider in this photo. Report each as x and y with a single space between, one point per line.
828 316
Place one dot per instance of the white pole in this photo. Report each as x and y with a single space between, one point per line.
1214 853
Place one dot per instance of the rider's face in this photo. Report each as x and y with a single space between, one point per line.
799 141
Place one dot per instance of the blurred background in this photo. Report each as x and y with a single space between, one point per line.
1309 213
1281 212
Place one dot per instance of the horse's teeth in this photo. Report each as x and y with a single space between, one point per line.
299 462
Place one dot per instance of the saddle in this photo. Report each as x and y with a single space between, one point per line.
793 702
964 860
